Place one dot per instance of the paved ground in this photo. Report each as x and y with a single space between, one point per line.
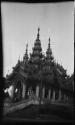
51 113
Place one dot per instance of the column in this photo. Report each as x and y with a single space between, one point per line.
14 84
43 93
53 97
11 94
37 91
23 91
49 94
64 97
67 98
59 98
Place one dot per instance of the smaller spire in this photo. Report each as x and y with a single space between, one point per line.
49 51
19 60
26 54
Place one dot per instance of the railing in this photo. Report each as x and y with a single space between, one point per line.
17 106
16 103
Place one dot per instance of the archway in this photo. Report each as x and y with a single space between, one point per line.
18 91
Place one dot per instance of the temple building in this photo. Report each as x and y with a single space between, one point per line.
41 76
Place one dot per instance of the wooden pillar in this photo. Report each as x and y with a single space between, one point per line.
64 97
67 98
49 93
43 92
59 98
12 92
23 91
37 91
14 84
53 97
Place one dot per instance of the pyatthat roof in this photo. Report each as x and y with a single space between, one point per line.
31 67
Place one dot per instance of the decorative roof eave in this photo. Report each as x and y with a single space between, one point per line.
13 76
14 72
59 71
25 75
10 77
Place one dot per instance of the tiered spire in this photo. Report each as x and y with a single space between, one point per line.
26 50
49 51
25 58
37 47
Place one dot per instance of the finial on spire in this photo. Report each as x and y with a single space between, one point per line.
49 43
19 57
26 53
26 47
19 60
49 39
38 30
38 33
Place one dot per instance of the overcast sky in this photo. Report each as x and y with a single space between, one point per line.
19 26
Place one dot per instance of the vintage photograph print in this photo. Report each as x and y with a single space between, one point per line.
38 61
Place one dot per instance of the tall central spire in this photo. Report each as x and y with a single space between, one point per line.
37 44
37 50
